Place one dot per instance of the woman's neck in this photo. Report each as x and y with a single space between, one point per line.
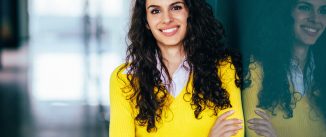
300 53
172 57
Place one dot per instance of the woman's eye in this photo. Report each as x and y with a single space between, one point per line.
304 8
176 8
155 11
323 11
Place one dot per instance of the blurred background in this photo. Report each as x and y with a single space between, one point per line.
55 61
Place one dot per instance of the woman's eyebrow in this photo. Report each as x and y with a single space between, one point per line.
178 2
303 2
156 6
153 6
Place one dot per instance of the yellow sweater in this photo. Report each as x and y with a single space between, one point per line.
304 123
178 118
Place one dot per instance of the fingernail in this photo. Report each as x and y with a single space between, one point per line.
257 111
250 121
231 111
239 122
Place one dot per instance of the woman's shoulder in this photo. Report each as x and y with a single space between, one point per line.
120 72
255 70
225 65
226 68
227 71
122 68
254 77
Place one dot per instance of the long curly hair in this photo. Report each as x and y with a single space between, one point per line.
205 50
318 96
275 90
274 36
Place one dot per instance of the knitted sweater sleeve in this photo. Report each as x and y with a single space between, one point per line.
121 119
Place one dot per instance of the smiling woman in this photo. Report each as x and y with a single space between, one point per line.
286 96
309 21
179 78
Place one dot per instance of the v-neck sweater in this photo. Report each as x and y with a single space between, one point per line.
178 119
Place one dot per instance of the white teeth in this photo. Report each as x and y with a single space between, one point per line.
169 30
310 29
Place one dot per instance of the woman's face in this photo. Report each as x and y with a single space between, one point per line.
167 20
309 20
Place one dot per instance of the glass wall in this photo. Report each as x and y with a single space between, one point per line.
282 45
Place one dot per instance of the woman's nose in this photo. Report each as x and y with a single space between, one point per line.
167 18
314 17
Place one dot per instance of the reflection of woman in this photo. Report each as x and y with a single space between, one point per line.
287 76
178 79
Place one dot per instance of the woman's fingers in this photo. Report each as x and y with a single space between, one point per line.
226 127
231 130
262 114
259 128
264 133
224 115
258 121
262 126
230 122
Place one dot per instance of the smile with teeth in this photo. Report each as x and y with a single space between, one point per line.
310 29
169 31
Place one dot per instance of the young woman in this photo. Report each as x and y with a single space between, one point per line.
286 96
179 78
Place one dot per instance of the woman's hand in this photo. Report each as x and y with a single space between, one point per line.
225 127
262 126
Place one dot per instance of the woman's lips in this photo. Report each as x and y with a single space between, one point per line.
170 31
310 30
